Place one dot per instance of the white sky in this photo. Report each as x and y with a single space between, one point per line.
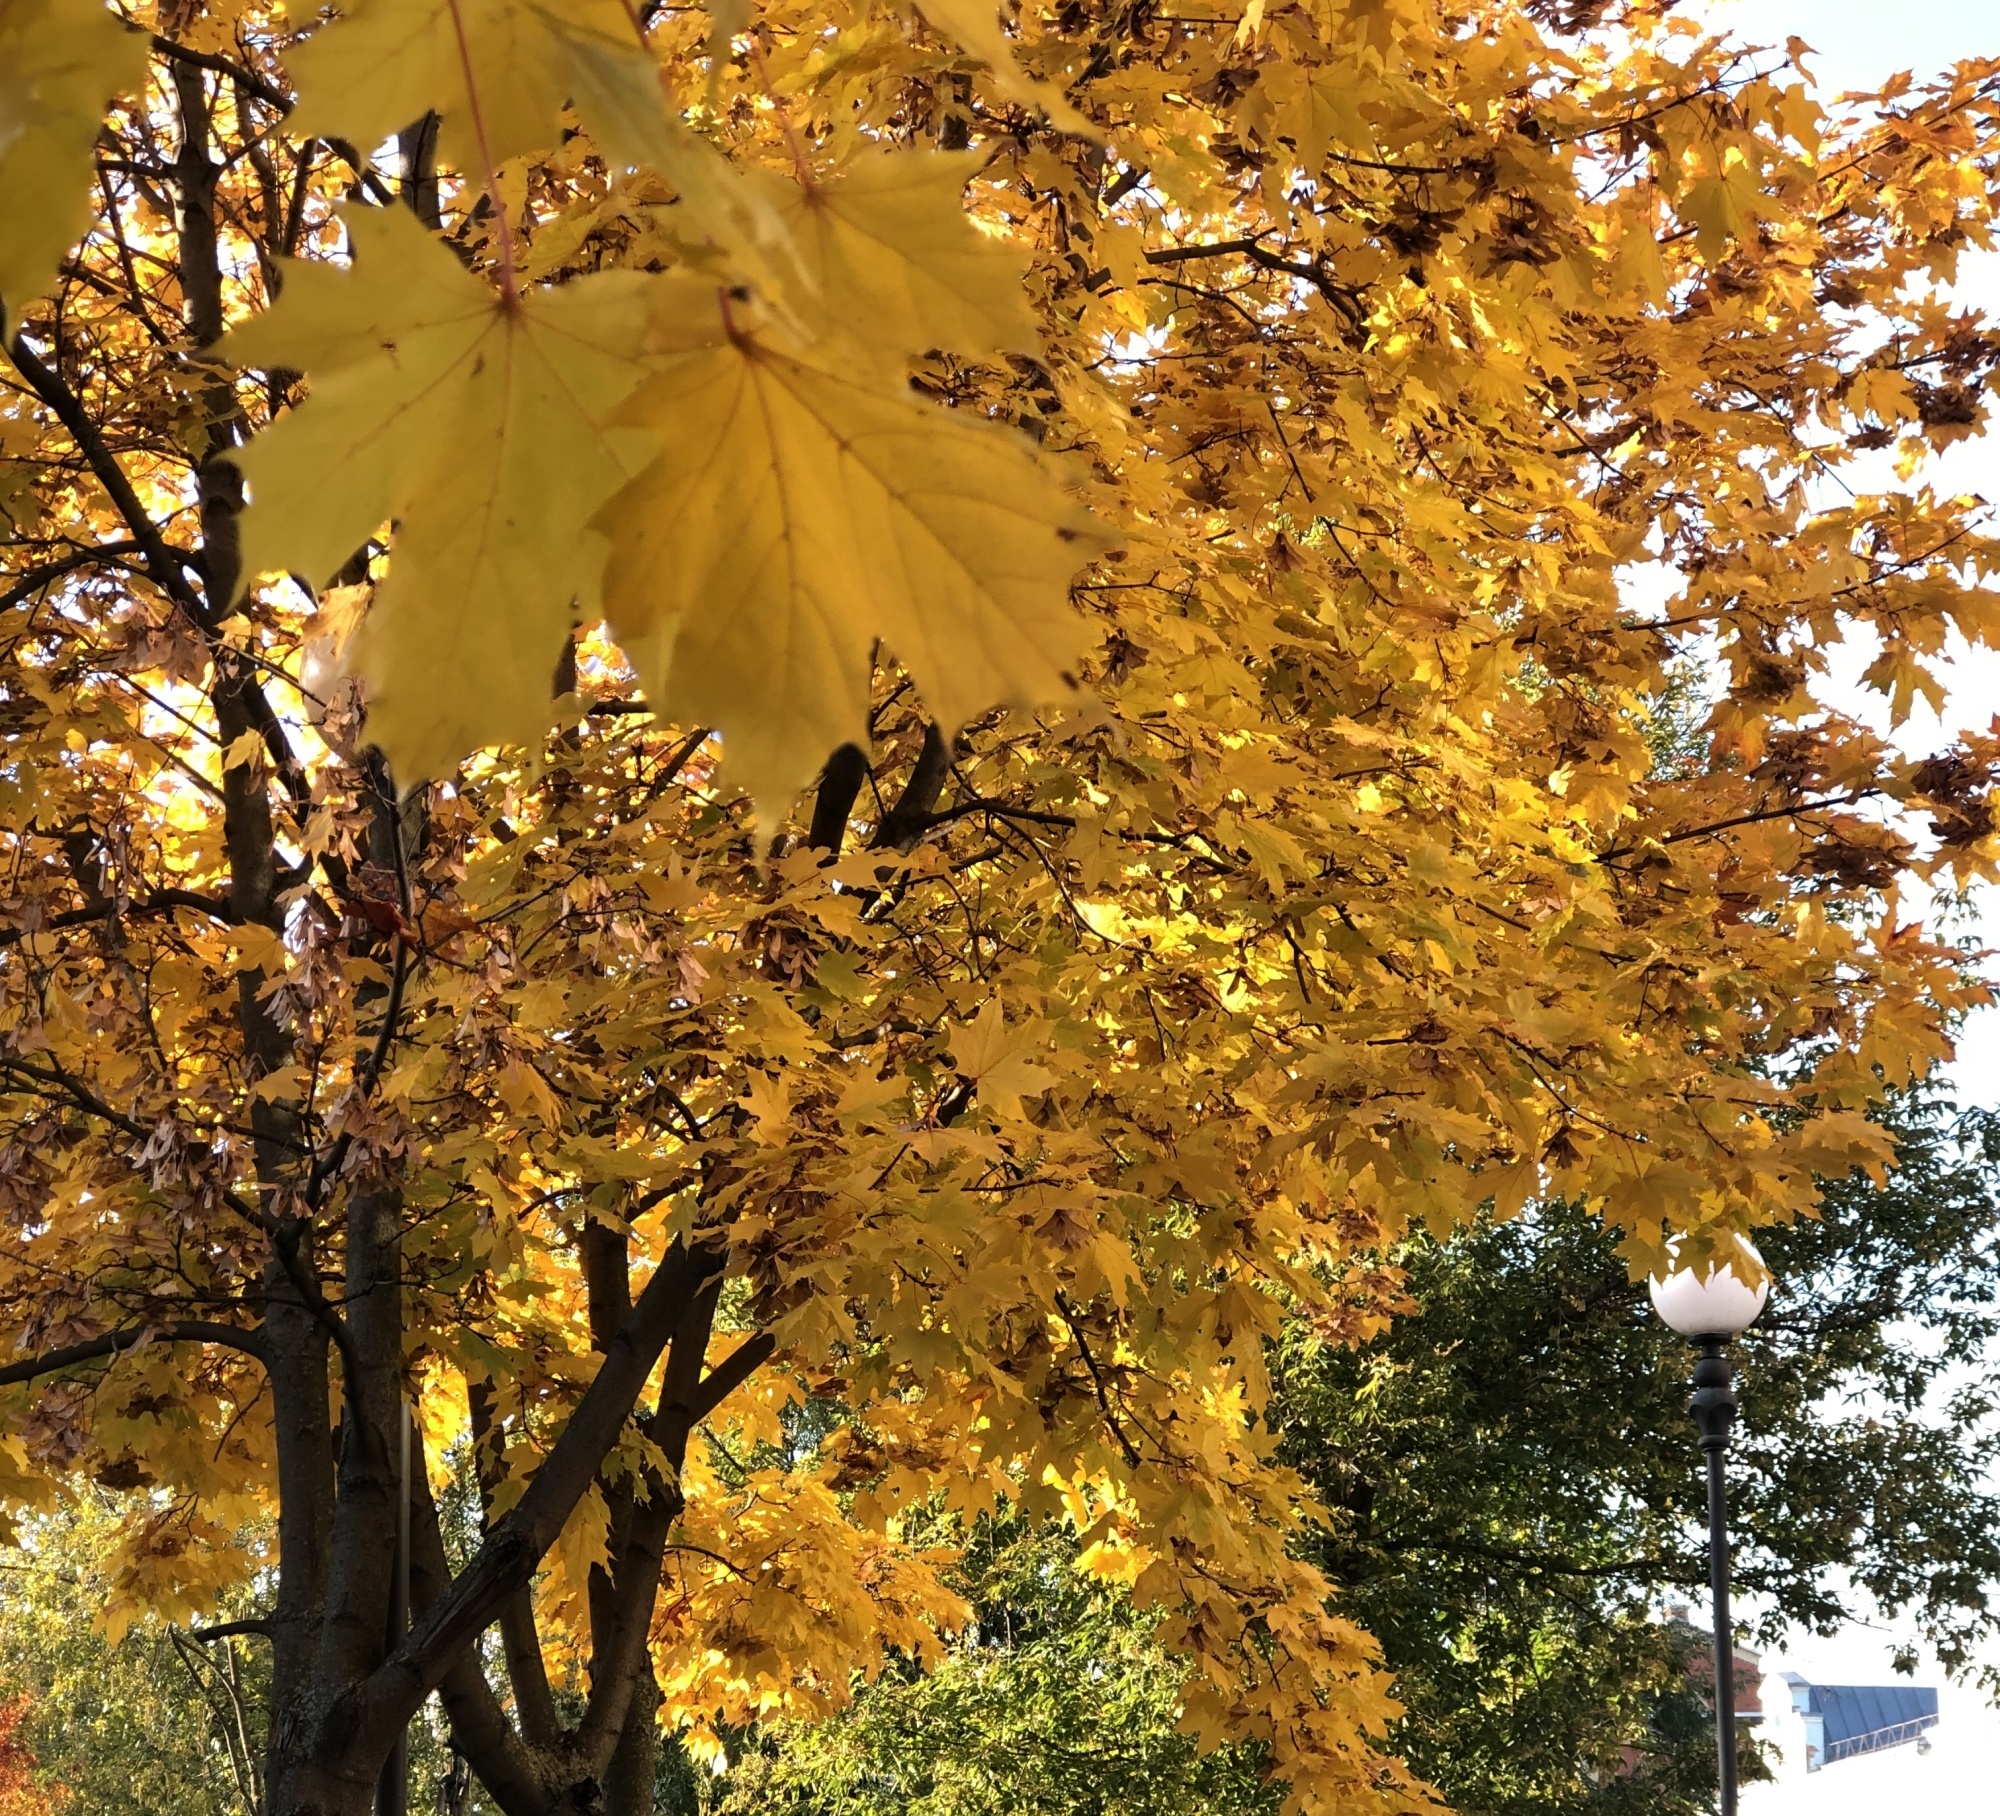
1860 42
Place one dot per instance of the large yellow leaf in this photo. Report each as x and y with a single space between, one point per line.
896 262
796 515
61 63
498 73
482 431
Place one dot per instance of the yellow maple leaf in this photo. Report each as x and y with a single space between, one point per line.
498 72
768 1097
482 429
894 261
999 1060
61 62
796 515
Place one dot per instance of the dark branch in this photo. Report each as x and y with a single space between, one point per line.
246 79
1792 810
37 578
232 1630
841 782
906 822
730 1373
1125 1444
165 564
253 84
161 901
112 1343
479 1725
1000 810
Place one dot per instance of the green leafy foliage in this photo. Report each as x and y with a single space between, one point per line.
1514 1490
1055 1702
135 1724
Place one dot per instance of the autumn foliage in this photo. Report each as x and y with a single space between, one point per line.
23 1789
1292 552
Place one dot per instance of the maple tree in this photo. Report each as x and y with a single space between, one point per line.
1512 1515
1163 482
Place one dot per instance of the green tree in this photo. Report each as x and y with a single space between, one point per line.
1512 1480
153 1720
159 1717
1055 1702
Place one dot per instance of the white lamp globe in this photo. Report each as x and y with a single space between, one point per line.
1718 1302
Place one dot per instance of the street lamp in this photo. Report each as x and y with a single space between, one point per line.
1710 1309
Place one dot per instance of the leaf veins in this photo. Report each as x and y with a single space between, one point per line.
794 517
483 430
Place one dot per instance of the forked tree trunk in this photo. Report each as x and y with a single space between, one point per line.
343 1687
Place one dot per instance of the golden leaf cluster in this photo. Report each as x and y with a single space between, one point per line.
1298 554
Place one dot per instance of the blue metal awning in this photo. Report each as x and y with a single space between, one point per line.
1853 1719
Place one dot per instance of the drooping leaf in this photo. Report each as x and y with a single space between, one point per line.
726 18
976 25
61 63
483 430
895 261
725 204
795 516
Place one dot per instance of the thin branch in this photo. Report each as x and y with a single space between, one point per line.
1000 810
79 1094
1212 249
161 901
33 581
245 79
1793 811
165 564
255 85
1125 1444
231 1630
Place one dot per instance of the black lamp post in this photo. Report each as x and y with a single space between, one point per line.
1711 1310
